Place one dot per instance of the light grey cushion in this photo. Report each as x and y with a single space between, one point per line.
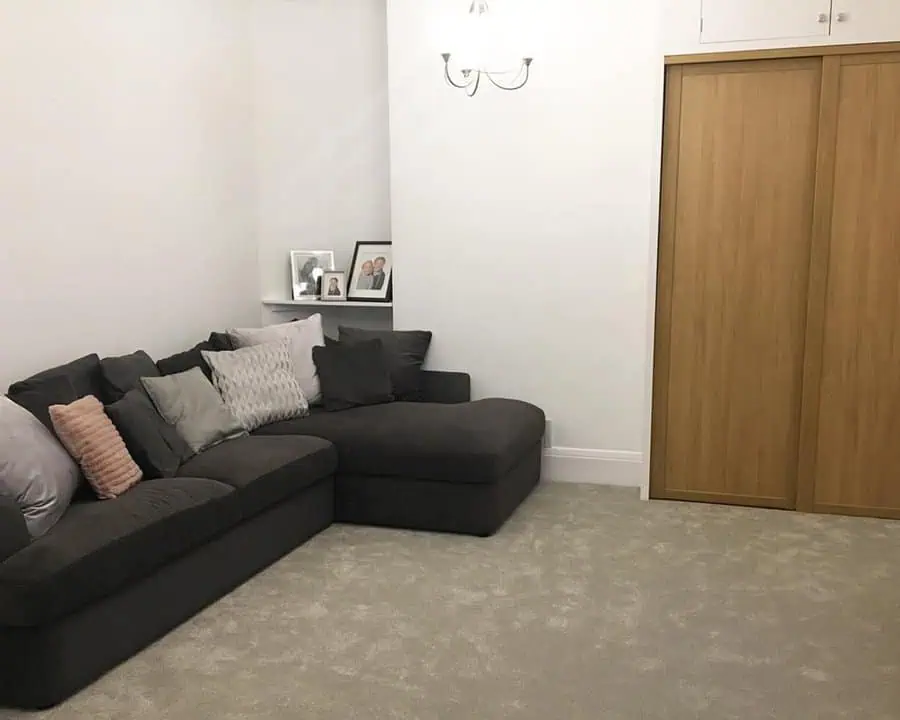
189 402
35 470
303 335
258 384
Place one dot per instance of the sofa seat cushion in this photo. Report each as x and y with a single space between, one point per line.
100 546
265 470
475 442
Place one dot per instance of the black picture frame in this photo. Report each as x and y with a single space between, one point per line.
365 247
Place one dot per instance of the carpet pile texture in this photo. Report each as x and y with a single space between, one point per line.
588 605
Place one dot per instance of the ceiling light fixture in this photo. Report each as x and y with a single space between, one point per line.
474 69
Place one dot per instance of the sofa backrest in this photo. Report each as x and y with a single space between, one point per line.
58 386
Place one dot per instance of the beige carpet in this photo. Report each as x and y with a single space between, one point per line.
589 604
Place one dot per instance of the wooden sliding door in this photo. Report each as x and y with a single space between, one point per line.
738 190
852 406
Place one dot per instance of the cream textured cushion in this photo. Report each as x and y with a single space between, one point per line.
35 470
303 335
91 438
258 384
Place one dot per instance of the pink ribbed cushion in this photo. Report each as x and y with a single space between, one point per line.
91 438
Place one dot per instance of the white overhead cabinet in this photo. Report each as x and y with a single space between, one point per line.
747 20
865 21
832 21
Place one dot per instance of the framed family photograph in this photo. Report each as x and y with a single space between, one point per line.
307 268
334 286
371 272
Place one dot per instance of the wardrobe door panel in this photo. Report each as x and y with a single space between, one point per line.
738 188
857 468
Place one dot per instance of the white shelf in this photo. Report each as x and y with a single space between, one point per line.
326 304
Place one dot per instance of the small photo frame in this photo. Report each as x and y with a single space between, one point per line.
334 286
307 267
371 272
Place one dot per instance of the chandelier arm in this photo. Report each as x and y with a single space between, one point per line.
450 80
475 87
527 68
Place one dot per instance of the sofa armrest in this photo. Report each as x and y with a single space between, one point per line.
13 531
446 387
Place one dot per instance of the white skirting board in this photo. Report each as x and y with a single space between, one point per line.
596 467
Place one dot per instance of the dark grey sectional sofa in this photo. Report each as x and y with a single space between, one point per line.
113 576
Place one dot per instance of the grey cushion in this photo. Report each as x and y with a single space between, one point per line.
189 402
58 386
477 442
124 373
258 383
35 470
154 444
265 470
98 547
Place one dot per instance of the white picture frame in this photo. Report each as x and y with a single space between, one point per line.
334 286
307 268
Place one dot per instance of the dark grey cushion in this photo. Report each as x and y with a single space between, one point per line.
124 373
265 470
474 442
405 351
184 361
446 387
353 374
58 386
220 342
100 546
154 444
193 358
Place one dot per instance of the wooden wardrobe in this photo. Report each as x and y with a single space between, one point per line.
777 362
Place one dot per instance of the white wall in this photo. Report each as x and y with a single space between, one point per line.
525 223
126 177
321 133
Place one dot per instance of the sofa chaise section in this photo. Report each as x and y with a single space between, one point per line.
460 468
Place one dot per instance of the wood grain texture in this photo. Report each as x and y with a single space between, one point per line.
858 448
818 279
776 503
877 512
878 58
810 51
665 269
741 227
750 66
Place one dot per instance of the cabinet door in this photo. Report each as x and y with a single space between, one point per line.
865 21
857 445
739 180
733 20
